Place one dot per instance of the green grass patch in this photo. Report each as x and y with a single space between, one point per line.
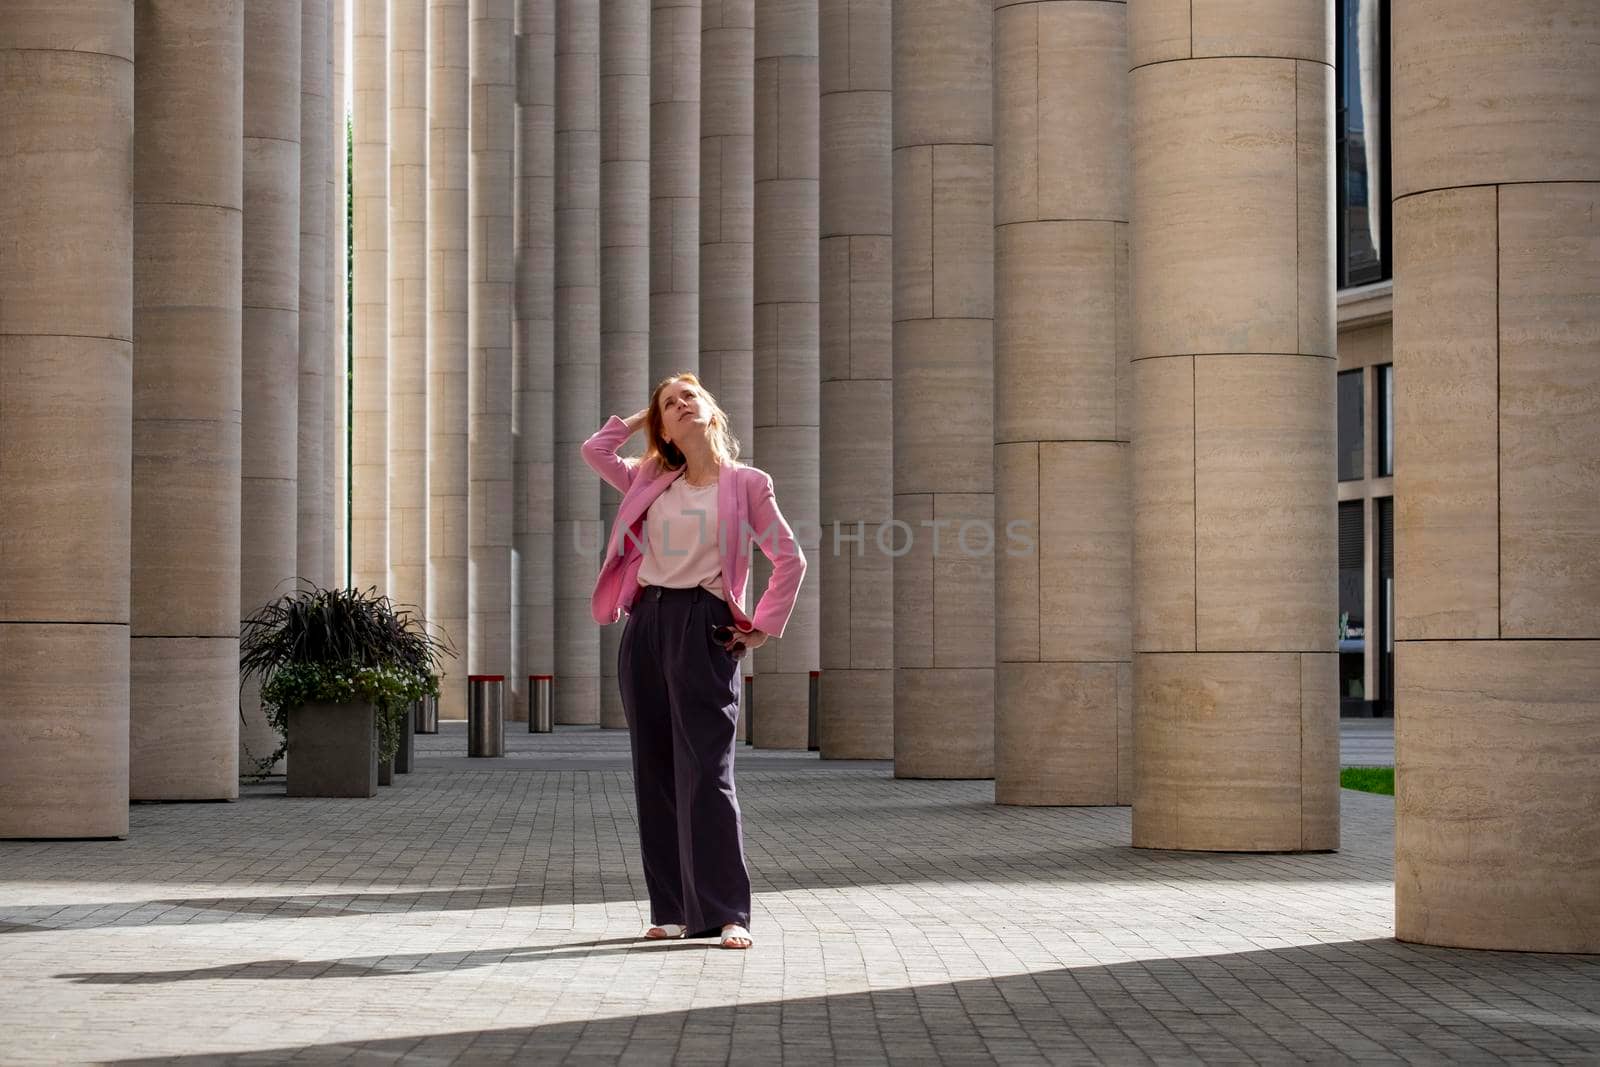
1368 779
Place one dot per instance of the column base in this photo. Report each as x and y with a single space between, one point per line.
1236 752
1497 794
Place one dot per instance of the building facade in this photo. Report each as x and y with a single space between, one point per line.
1190 372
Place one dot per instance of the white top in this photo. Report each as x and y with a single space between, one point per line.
681 548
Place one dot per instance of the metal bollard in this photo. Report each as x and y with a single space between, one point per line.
486 730
427 712
406 756
813 744
748 694
541 704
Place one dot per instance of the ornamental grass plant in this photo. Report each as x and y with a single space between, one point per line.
339 646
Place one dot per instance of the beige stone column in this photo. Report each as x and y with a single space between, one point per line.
533 341
1063 712
727 220
408 303
855 710
489 385
625 295
727 209
339 401
943 388
66 332
785 341
577 356
448 90
1497 492
269 354
369 412
312 563
1234 529
334 292
674 187
183 741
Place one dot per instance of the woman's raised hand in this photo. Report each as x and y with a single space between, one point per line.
637 419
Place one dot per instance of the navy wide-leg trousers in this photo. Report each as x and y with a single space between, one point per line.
680 690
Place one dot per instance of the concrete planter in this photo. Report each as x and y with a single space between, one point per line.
333 750
386 772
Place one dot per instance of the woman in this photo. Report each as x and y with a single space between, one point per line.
677 563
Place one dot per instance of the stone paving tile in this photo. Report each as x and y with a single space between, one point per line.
488 911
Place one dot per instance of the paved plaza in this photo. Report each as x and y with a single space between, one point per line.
489 910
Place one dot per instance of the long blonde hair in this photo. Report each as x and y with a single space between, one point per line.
724 445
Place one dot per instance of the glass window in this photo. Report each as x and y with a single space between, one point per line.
1350 452
1361 148
1385 415
1385 620
1352 599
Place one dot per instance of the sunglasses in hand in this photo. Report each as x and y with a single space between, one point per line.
724 634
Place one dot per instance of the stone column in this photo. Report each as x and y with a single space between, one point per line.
785 352
183 739
269 353
333 384
943 388
533 340
66 316
447 342
1063 714
727 220
408 303
727 209
311 537
1497 490
489 518
855 712
339 404
625 292
1236 735
369 413
674 187
577 356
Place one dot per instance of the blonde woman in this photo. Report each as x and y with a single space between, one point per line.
677 564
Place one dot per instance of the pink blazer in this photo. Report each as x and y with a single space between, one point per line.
744 504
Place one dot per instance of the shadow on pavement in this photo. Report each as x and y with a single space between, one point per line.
1355 1001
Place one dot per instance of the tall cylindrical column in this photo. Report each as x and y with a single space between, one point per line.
369 412
269 353
855 708
311 541
447 343
727 220
66 313
1234 683
727 209
408 303
785 354
1063 723
183 723
489 447
1497 492
339 202
532 346
577 356
333 203
625 299
674 187
943 389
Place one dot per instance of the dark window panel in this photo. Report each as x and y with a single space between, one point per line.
1351 457
1361 145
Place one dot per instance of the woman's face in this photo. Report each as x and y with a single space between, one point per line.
685 412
